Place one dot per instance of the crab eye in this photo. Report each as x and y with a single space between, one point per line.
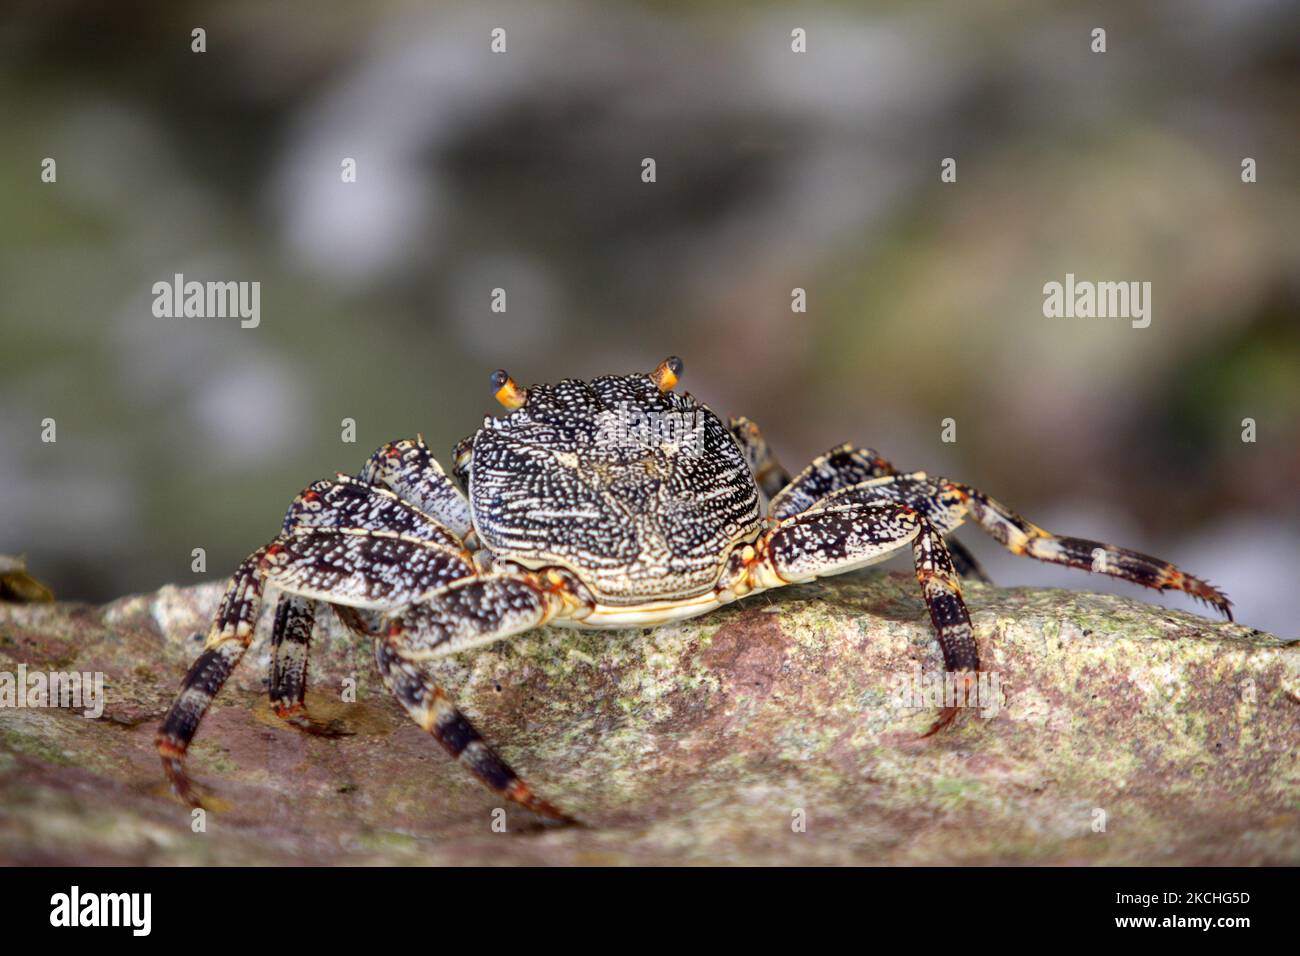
506 391
666 375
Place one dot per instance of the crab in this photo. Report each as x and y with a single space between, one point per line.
613 503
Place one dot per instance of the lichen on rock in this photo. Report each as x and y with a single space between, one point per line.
778 730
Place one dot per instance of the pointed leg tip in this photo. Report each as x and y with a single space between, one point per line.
523 795
1223 606
551 813
1199 590
182 788
560 820
946 717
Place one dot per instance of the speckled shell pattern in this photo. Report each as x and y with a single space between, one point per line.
641 493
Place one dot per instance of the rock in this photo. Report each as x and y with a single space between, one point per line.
774 731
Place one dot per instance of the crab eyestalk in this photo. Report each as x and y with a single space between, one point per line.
666 375
506 391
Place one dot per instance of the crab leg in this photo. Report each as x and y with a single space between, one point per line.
948 503
295 619
838 539
435 712
841 467
345 503
825 542
939 581
844 467
768 472
965 563
408 468
462 616
942 502
228 639
473 613
1023 537
356 567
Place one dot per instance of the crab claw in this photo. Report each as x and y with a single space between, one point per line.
506 391
666 375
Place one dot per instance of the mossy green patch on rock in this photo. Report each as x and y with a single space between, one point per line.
772 731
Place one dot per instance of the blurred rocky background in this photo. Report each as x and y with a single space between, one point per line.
776 170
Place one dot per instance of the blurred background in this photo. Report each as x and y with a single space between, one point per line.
775 170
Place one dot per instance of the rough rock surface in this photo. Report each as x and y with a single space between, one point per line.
1126 734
